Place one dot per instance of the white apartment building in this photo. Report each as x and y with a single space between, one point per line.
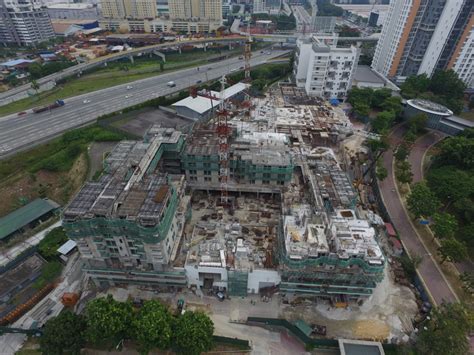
424 36
271 7
133 9
159 25
190 16
24 22
323 69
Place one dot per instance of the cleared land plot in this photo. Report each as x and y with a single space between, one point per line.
142 122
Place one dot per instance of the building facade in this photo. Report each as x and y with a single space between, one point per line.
190 16
421 36
129 9
323 69
128 224
323 24
24 23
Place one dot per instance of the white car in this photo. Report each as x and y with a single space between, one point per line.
128 96
86 101
129 87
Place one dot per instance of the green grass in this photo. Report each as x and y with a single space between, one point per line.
56 155
469 115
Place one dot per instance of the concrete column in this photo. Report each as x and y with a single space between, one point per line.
205 47
131 59
179 49
230 46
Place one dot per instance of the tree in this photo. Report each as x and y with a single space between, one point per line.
383 121
458 151
35 70
360 96
422 201
447 83
193 333
35 86
379 97
361 109
414 86
417 122
467 278
393 103
63 334
376 145
446 331
452 250
381 172
450 184
410 137
51 242
107 319
403 172
464 210
445 225
152 327
466 234
402 152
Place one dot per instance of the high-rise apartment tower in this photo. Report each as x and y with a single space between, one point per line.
421 36
24 22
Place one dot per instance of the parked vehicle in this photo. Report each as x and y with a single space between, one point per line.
57 103
171 84
129 87
21 113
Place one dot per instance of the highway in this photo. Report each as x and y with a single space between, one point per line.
22 132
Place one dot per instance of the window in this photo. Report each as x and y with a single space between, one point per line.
207 178
192 172
207 172
281 182
252 182
265 182
207 165
130 244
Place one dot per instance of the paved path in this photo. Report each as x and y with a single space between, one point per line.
8 255
434 280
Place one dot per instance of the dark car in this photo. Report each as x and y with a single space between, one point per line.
21 113
199 82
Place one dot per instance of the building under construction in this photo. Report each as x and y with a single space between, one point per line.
286 217
128 224
259 162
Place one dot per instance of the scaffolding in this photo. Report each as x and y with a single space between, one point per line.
237 283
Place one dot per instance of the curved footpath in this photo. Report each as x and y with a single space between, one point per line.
430 274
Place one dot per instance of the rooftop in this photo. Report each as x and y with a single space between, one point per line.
430 107
201 104
130 187
15 62
25 215
308 234
364 73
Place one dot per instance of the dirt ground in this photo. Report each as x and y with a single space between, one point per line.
143 121
57 186
96 151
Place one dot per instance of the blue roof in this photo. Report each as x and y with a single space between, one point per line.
48 55
12 63
334 102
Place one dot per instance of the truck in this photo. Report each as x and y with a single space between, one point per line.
56 104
